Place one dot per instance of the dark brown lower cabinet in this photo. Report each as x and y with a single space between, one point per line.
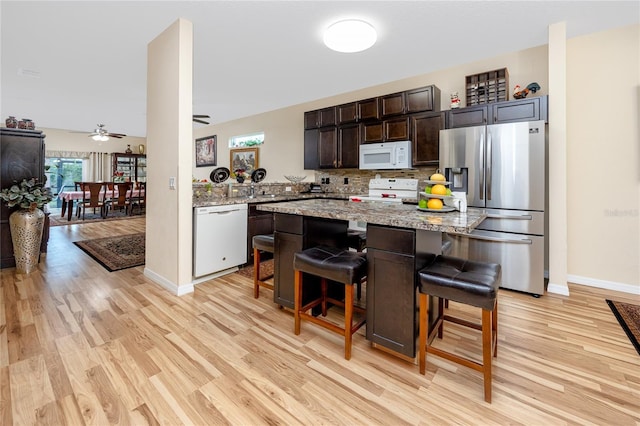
295 233
394 257
259 223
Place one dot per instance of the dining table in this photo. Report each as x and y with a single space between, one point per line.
69 197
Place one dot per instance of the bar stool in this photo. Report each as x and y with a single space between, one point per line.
261 243
330 264
468 282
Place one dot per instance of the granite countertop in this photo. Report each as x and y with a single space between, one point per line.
397 215
222 201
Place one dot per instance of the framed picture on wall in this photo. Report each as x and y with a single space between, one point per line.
244 158
206 151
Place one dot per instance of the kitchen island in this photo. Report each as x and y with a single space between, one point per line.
400 239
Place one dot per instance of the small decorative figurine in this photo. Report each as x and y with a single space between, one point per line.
455 100
521 94
128 150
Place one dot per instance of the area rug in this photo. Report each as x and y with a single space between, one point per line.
116 253
266 269
628 316
90 217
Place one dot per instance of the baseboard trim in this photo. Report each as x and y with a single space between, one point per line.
562 289
178 290
603 284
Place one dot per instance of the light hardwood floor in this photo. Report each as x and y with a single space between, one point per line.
80 345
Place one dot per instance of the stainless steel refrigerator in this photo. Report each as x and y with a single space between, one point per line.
501 167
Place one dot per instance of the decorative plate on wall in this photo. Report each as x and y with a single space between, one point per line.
219 175
258 175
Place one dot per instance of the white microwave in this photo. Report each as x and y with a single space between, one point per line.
385 155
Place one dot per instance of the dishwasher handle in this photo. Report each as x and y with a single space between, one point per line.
508 216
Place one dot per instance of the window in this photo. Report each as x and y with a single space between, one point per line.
244 141
61 173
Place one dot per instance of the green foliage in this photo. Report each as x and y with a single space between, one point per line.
29 194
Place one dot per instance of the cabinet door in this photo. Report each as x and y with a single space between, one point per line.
311 149
311 119
348 146
425 130
397 129
372 132
423 99
520 110
393 104
259 223
369 109
391 328
467 117
327 148
328 117
347 113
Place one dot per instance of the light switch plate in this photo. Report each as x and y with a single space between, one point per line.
172 183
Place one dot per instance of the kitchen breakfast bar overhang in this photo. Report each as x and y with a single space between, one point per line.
400 239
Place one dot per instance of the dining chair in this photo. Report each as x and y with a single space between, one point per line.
123 198
140 200
91 198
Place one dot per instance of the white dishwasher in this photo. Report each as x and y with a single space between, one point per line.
219 238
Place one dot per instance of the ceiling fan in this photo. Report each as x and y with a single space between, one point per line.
102 134
198 118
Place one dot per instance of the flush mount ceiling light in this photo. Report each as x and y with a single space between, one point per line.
349 36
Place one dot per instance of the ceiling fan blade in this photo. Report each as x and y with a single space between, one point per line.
200 116
200 121
116 135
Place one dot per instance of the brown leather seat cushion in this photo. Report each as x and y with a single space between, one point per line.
336 264
460 280
263 242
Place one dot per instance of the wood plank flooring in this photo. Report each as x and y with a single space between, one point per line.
80 345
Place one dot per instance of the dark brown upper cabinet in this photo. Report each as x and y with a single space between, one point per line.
347 113
395 129
500 112
320 118
425 129
369 109
327 148
393 104
423 99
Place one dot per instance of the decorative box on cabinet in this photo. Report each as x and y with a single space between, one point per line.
487 87
22 157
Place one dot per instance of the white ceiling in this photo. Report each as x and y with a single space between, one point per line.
252 57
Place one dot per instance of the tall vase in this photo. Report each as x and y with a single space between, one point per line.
26 234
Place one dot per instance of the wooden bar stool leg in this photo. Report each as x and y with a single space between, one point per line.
441 305
297 300
256 273
323 289
494 326
424 314
487 343
348 319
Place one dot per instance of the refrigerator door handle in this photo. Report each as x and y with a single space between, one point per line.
481 167
499 240
488 160
507 216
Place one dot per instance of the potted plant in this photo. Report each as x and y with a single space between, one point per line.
26 223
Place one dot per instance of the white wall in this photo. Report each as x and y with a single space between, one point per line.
169 135
603 87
